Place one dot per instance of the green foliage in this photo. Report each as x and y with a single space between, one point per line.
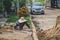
28 18
23 1
30 2
20 0
7 4
12 19
42 1
1 5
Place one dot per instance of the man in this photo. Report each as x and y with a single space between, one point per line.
21 22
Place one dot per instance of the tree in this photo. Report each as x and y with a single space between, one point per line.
45 3
7 6
30 2
23 2
1 6
54 4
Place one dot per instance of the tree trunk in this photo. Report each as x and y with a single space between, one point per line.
45 3
6 14
54 4
17 7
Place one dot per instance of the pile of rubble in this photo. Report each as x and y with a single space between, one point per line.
6 27
50 34
7 32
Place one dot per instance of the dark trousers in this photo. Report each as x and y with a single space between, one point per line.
21 25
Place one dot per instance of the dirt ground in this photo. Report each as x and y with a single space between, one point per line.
16 35
50 11
50 34
47 24
9 33
46 21
54 32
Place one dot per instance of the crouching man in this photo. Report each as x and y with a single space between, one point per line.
21 22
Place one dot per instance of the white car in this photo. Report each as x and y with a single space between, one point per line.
37 8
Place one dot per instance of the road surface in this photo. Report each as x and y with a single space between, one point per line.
46 21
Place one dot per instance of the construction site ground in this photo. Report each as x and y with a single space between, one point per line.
44 22
16 35
7 34
47 23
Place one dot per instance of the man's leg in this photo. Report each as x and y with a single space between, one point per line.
21 26
27 24
17 24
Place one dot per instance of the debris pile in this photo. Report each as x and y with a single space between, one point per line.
6 27
50 34
7 32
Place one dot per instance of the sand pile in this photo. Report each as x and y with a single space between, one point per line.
50 34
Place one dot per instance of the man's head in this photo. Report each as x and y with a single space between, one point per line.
22 18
